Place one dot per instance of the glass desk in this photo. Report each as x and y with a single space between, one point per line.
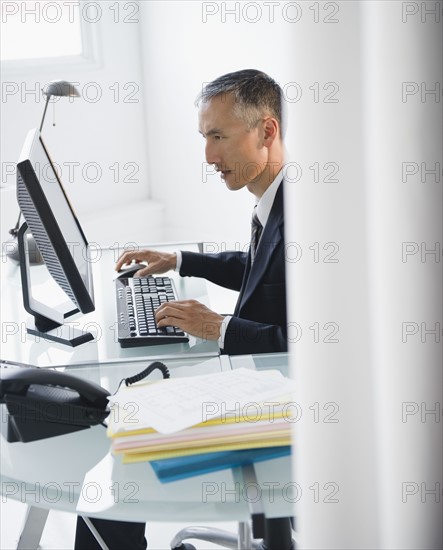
17 345
76 472
262 361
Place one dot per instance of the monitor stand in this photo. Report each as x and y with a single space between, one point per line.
47 322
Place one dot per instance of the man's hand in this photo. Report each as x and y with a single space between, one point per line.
157 262
192 317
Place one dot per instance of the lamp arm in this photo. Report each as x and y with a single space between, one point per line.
48 97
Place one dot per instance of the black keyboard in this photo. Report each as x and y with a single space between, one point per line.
137 300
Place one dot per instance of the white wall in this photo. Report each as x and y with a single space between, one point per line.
169 54
182 51
108 132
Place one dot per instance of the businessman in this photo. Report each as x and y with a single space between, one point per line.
240 117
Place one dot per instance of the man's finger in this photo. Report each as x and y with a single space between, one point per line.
126 258
169 310
179 304
145 272
170 321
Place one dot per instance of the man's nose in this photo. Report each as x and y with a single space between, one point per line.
212 154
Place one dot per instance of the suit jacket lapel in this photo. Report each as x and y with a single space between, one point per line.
271 236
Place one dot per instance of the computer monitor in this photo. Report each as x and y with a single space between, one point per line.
60 240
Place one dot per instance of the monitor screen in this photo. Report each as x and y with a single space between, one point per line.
52 222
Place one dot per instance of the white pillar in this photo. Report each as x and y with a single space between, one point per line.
363 300
403 144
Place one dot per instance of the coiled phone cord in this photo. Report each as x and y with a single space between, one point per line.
144 373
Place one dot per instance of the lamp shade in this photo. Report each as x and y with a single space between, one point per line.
60 88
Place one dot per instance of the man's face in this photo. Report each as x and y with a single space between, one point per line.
237 153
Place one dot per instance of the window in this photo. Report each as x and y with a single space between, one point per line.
33 30
41 33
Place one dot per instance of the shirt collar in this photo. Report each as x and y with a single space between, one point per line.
266 201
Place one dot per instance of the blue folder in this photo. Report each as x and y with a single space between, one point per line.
173 469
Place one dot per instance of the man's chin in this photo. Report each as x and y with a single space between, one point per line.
231 181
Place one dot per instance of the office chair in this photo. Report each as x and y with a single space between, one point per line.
275 533
277 536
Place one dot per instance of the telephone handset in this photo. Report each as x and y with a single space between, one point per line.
44 403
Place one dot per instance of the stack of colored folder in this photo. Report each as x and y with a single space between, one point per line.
182 446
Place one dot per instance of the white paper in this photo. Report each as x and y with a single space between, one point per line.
175 404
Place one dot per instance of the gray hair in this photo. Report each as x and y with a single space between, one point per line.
254 92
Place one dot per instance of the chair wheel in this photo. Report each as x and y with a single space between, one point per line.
185 546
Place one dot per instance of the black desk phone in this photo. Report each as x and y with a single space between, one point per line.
44 403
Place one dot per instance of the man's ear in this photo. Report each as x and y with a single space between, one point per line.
271 131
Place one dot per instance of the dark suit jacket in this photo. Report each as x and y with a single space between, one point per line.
258 324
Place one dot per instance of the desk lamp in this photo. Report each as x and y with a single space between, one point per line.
54 88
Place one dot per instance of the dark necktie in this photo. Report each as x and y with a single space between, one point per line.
256 229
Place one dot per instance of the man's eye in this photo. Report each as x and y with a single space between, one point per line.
218 138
